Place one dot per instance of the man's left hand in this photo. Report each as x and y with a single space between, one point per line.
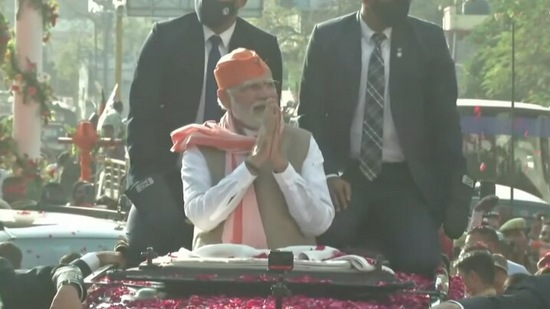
280 163
66 298
458 209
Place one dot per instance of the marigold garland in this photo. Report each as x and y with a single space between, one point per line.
26 80
7 143
5 36
33 171
34 87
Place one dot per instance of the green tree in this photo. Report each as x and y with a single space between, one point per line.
68 53
430 10
489 73
77 49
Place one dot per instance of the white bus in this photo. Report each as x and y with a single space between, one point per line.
487 129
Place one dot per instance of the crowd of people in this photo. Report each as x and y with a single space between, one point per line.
494 258
64 188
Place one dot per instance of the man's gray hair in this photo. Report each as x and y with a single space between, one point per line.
231 98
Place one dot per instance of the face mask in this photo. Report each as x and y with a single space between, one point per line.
392 12
214 13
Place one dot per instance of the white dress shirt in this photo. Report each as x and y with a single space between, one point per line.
306 194
391 149
224 49
515 268
91 260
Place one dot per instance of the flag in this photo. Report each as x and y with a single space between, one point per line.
109 104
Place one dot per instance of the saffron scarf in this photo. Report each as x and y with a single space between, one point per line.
244 225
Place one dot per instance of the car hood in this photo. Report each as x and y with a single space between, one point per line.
57 225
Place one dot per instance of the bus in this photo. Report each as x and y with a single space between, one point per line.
487 132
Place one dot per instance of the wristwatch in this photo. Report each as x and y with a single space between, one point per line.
74 283
72 275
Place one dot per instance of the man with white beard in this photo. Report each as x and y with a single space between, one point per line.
250 179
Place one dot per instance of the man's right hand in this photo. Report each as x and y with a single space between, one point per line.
262 150
340 192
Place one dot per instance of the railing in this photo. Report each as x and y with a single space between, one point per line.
111 179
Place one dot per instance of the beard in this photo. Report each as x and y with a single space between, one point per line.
250 117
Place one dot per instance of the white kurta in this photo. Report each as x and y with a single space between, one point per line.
306 193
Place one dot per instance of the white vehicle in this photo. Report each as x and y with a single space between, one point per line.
487 131
524 205
45 237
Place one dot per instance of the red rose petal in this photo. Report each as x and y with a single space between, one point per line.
482 167
109 296
477 111
206 277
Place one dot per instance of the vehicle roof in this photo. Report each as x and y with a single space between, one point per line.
47 225
502 104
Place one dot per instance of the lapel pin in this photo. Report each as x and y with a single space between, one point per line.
399 52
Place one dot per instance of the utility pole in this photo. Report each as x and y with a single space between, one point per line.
27 124
119 9
107 30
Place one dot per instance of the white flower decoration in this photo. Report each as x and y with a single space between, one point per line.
43 77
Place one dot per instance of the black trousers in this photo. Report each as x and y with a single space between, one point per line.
157 219
390 216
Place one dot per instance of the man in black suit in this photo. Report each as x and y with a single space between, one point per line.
174 86
531 292
379 95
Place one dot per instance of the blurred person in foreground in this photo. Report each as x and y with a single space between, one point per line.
531 292
12 253
57 287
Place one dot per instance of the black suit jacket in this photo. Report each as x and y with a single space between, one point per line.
532 292
168 82
423 91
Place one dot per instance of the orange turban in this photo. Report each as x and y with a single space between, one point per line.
237 67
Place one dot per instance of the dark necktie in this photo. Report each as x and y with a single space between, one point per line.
212 110
373 122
